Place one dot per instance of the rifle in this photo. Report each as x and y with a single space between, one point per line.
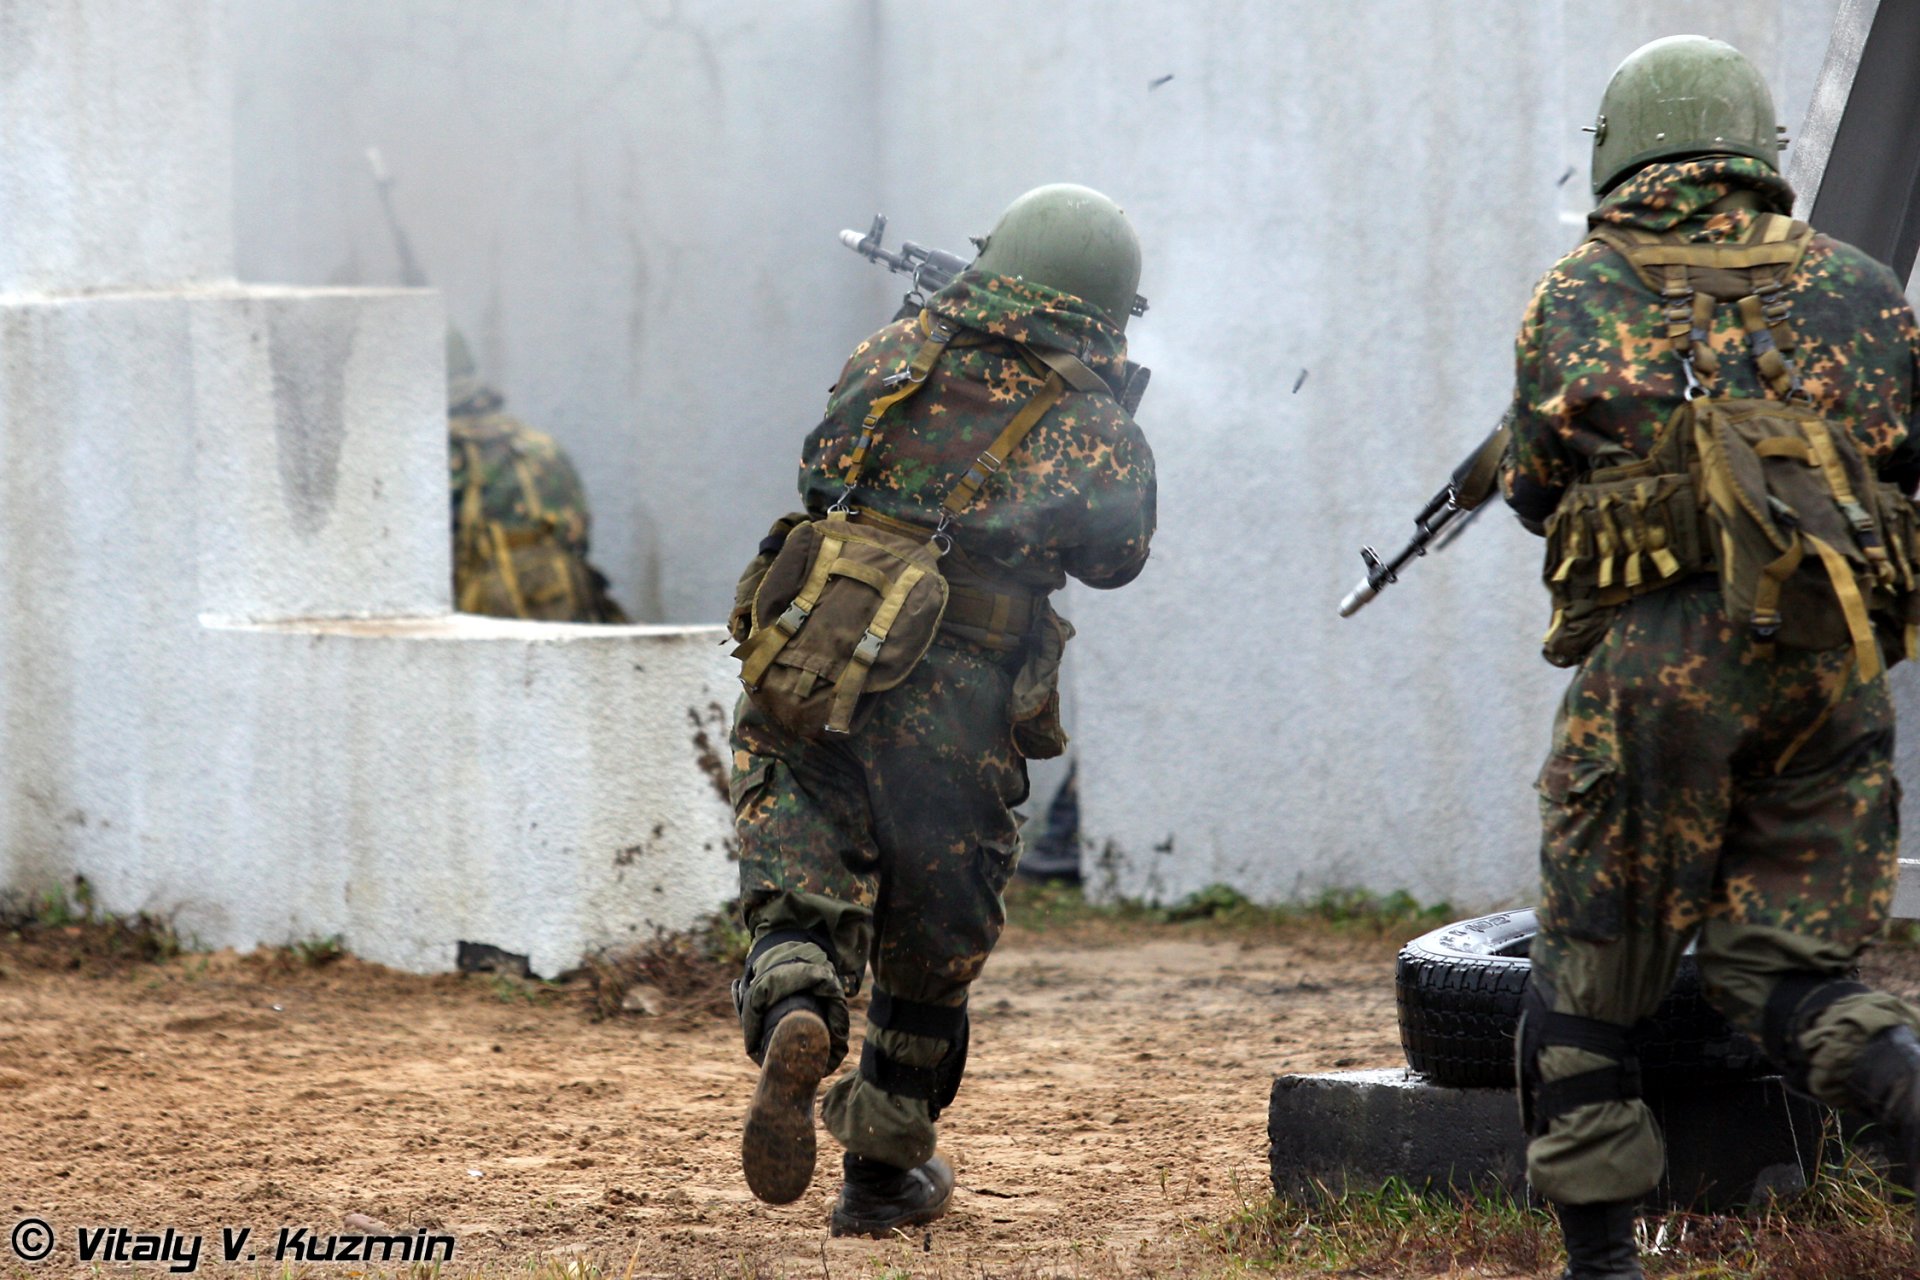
410 273
932 270
1444 518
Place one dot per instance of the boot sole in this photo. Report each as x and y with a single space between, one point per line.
777 1151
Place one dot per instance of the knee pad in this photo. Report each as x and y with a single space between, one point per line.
1791 1010
1544 1101
936 1085
754 1021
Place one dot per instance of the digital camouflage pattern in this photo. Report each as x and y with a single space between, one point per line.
895 843
1667 815
520 523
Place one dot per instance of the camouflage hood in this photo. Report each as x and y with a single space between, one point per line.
1010 307
1662 196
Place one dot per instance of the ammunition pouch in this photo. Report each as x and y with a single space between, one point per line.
1620 533
936 1085
1037 731
849 604
1811 551
844 613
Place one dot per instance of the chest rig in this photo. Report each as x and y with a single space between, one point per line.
1765 492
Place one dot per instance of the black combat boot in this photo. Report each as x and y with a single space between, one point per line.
878 1198
1600 1241
1885 1083
777 1150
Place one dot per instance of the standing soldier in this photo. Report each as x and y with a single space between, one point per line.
973 453
1710 403
519 513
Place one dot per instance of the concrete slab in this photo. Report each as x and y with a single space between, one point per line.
1728 1143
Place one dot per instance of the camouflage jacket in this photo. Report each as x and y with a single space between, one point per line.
1076 498
525 479
1594 370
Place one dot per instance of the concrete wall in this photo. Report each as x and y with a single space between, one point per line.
233 691
1361 196
631 209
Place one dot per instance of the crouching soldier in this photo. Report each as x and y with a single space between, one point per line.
901 657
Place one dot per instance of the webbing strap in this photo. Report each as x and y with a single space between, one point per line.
1766 590
1866 653
1771 362
1608 1039
916 1017
896 1077
906 384
761 648
1072 370
987 464
1865 531
1617 1083
853 677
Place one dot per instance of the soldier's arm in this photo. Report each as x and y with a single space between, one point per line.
1117 524
1536 470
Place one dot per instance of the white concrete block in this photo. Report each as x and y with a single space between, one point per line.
323 454
116 129
407 784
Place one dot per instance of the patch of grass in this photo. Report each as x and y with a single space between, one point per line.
1849 1223
1396 1231
64 928
317 953
676 971
1055 905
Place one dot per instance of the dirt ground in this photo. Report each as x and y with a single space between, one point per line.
1115 1098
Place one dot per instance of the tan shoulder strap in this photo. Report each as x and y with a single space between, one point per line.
989 463
905 385
1072 370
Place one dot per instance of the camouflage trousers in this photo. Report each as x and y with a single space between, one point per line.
891 846
1667 817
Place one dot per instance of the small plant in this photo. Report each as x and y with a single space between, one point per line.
316 952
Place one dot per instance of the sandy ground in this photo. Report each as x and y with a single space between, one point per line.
1115 1099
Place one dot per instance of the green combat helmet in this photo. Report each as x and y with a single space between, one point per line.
1678 97
1072 239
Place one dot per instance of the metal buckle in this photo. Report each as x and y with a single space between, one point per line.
942 540
1695 388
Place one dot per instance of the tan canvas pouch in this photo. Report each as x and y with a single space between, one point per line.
844 613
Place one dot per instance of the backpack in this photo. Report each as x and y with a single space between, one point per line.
520 568
851 602
1809 547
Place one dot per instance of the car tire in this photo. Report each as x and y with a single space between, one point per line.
1459 989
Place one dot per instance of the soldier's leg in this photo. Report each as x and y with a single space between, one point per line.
945 778
807 887
1633 797
1811 858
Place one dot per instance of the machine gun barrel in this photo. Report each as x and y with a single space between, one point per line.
1439 522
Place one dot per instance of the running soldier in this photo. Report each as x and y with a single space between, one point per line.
976 453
